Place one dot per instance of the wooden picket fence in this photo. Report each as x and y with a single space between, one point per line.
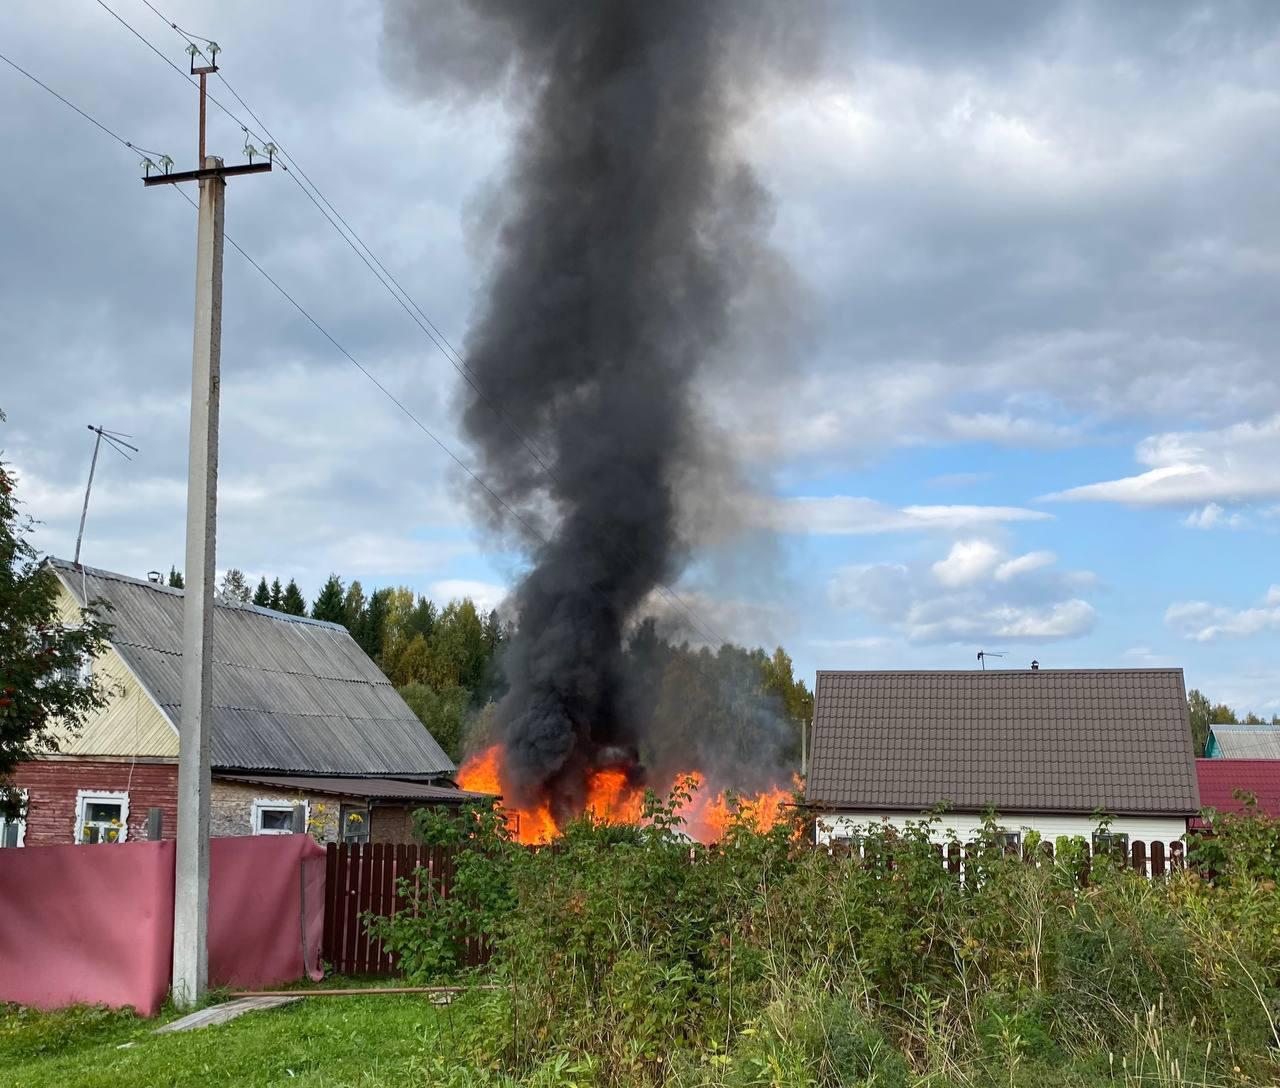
1154 859
363 879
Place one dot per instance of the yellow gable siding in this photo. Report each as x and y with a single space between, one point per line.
130 724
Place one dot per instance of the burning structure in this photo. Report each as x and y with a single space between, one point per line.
626 231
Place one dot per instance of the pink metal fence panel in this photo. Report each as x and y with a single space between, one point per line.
87 924
94 924
266 910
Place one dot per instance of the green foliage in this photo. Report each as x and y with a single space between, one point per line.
262 595
175 578
443 712
234 587
330 604
291 601
276 598
634 958
43 686
428 935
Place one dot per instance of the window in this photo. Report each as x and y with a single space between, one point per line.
1112 843
101 816
14 829
355 824
1012 842
275 817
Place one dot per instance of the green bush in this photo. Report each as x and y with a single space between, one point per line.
630 957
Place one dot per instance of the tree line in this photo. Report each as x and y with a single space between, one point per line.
1205 713
733 708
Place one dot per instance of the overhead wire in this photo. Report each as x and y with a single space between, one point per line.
429 328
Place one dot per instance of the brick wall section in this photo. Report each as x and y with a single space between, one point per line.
231 808
52 786
391 823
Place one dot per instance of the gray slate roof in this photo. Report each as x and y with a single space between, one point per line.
1052 740
289 693
1246 741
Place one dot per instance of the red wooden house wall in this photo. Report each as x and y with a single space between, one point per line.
52 785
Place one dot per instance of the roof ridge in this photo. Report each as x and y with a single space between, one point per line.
219 602
993 672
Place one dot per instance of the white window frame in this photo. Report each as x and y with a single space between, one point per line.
276 804
21 822
86 797
344 811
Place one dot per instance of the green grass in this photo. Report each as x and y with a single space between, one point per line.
330 1041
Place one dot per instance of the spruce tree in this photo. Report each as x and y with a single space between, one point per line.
292 602
277 595
175 578
330 604
262 595
369 631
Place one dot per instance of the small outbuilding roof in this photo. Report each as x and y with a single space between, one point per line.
1244 741
379 789
1220 778
1047 740
289 693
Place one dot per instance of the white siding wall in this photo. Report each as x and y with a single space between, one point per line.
1139 828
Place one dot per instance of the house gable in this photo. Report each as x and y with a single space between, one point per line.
290 694
131 724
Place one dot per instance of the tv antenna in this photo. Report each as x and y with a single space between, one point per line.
117 442
984 654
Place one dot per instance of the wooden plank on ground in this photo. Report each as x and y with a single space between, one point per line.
221 1014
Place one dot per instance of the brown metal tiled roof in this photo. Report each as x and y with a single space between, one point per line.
1051 740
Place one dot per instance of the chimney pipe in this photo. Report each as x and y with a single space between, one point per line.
1035 666
154 577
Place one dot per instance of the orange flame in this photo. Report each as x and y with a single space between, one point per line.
611 798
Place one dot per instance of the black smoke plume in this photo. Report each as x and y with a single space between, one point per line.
627 224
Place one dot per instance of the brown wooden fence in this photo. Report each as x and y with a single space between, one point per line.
364 878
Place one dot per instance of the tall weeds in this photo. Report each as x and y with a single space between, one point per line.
634 959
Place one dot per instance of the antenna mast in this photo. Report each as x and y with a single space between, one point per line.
115 440
984 654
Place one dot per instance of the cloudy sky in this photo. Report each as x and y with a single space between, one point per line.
1024 399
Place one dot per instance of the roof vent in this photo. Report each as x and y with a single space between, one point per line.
1035 666
154 577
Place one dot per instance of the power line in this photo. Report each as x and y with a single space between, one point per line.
704 629
358 246
385 278
265 275
71 105
388 280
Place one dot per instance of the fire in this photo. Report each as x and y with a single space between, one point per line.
612 798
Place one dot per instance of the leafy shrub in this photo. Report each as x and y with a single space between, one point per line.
631 957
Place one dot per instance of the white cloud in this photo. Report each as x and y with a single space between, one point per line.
1231 465
1211 516
1024 564
846 515
486 595
967 562
964 598
1201 621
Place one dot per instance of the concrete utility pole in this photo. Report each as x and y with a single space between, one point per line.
191 869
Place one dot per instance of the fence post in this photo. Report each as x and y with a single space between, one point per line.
299 819
155 824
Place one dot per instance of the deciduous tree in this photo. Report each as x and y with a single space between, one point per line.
45 689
